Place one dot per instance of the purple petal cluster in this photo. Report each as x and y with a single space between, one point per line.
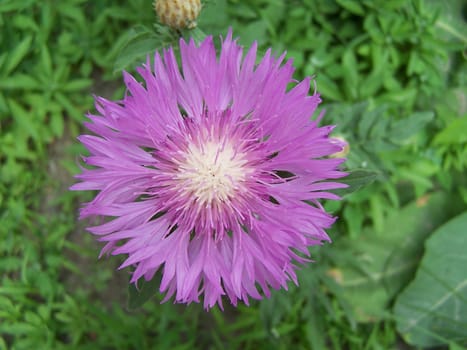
211 173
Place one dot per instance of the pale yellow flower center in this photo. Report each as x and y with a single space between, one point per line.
212 172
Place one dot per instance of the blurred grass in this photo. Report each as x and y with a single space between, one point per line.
392 75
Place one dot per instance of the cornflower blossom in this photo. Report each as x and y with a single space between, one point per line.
211 174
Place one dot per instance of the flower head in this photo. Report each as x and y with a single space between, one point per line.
212 175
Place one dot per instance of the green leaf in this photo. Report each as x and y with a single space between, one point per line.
432 310
24 119
369 119
19 81
57 125
354 217
454 133
137 43
136 52
46 60
12 5
352 6
377 202
404 96
450 21
356 180
77 85
328 88
24 22
215 17
253 31
138 295
350 70
374 81
377 265
197 34
71 109
409 126
17 54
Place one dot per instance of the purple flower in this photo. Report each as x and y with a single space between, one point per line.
212 174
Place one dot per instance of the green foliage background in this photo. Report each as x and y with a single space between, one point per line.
393 77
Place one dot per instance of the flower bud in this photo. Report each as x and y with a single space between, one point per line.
178 14
345 147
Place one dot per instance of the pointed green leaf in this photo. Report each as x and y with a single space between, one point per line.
135 53
24 119
17 54
328 88
77 85
409 126
19 81
352 6
356 180
351 77
454 133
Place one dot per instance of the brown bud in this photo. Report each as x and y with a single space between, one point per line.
178 14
